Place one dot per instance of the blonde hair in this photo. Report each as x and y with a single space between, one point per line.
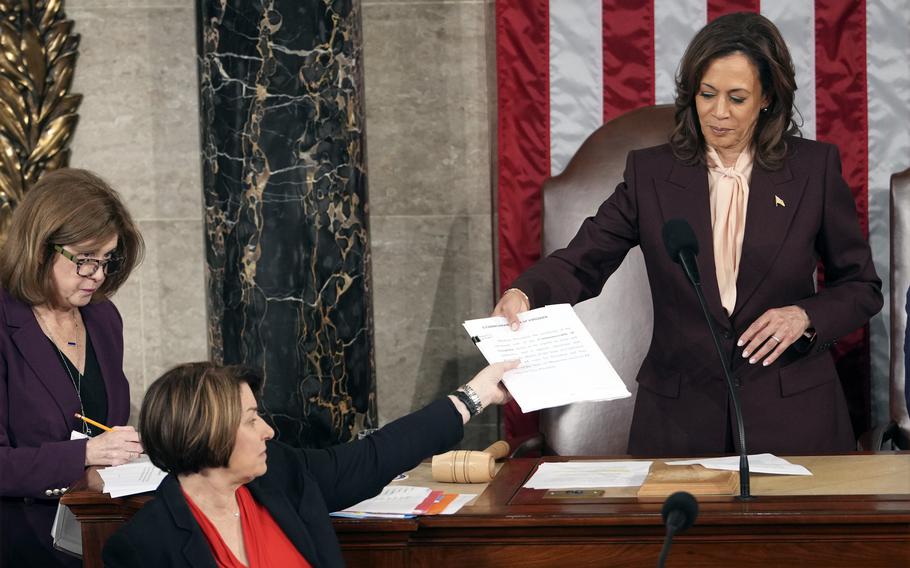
190 415
66 207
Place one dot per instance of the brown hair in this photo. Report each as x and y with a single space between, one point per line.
759 40
66 207
189 416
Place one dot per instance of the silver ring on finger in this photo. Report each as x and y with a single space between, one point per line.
775 338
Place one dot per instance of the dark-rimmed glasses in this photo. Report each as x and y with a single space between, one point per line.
87 267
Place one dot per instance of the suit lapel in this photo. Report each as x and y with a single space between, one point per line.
291 523
40 355
685 196
773 200
195 548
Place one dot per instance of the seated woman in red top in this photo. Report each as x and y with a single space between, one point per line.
234 498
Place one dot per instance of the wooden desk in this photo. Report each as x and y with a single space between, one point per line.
854 511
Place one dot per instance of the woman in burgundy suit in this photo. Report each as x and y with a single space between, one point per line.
71 244
766 207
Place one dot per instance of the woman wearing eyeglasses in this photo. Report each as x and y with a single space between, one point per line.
71 244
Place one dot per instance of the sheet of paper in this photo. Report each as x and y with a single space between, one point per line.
66 531
394 499
560 361
589 474
138 476
758 463
460 501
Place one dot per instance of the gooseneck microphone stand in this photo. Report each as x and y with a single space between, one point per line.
682 247
744 491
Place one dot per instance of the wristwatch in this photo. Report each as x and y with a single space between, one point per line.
470 398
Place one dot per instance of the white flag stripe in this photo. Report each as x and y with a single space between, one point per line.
796 21
675 23
887 54
576 76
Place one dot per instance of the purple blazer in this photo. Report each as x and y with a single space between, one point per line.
38 400
796 216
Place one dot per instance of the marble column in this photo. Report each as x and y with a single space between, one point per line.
285 197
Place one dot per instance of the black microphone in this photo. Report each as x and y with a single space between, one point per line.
682 246
679 513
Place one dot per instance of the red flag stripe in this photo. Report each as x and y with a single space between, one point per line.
842 119
522 62
628 56
718 8
522 71
840 91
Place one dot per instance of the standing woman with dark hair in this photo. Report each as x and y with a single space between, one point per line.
766 207
71 245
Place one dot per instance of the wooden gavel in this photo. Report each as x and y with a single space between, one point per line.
469 466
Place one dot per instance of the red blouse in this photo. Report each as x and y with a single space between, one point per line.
266 544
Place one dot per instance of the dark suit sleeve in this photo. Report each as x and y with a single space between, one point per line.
118 552
349 473
852 292
579 271
28 471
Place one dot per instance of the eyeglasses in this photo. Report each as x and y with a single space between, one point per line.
89 266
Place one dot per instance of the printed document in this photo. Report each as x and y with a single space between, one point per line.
137 476
589 474
393 500
560 361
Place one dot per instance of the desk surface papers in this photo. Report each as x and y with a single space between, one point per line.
589 474
138 476
560 361
758 463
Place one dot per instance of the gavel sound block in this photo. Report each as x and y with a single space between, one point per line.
469 466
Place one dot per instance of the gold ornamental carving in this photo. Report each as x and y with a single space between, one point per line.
38 51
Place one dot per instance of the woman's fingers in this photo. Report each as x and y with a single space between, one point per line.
772 333
511 304
116 447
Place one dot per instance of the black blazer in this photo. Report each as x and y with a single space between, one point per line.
299 489
796 216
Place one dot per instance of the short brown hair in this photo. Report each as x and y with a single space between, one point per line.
66 206
190 415
759 40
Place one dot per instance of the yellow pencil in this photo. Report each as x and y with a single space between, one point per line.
93 423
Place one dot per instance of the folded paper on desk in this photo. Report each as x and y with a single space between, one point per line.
758 463
138 476
405 501
588 474
560 361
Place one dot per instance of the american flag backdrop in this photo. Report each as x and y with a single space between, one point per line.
564 67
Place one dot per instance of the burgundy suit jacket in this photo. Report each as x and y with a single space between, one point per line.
38 400
797 215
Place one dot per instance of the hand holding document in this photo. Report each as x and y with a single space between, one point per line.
560 361
759 463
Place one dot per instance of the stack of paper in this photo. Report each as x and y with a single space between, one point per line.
560 361
758 463
138 476
404 501
588 474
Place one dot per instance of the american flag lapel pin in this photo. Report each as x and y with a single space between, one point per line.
778 202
